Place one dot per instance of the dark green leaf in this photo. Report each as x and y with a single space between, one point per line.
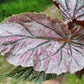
28 74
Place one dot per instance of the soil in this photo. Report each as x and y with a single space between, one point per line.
53 12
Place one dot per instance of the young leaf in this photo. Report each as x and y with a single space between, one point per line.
70 8
32 39
29 74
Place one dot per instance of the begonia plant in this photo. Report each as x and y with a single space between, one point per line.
43 48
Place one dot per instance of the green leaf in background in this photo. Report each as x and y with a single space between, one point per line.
28 74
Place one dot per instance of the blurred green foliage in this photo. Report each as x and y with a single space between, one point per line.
3 1
10 7
72 79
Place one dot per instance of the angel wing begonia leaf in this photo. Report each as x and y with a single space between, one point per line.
32 39
70 8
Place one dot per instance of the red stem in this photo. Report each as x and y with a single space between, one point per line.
56 3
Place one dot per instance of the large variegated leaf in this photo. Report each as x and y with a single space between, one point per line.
36 40
70 8
29 74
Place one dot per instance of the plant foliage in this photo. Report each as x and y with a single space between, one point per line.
46 44
29 74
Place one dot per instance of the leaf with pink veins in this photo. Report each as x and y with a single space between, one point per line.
46 44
